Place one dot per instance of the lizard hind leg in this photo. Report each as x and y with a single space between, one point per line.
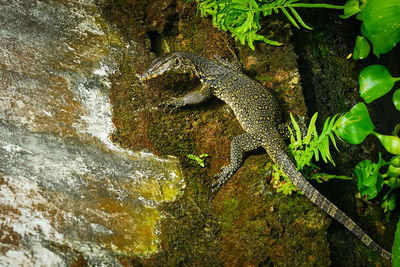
283 129
239 146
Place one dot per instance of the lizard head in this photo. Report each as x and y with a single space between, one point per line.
176 61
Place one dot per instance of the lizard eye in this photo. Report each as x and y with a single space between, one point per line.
177 61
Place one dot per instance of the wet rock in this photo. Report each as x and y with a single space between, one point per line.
68 195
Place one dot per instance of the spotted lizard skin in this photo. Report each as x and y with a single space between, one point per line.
260 116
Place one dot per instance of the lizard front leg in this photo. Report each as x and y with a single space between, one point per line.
191 98
239 146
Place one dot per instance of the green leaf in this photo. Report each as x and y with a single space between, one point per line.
299 19
395 161
296 128
396 99
381 24
355 125
396 246
311 128
375 81
351 8
326 177
393 183
369 180
393 171
390 142
290 18
392 202
361 49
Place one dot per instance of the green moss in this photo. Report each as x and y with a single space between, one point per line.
264 78
229 215
247 223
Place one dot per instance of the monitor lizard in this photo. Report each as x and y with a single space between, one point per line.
260 116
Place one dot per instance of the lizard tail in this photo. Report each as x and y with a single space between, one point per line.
285 164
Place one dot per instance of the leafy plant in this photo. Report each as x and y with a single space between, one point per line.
353 126
361 49
375 81
281 182
380 24
371 180
313 144
304 149
198 159
242 17
356 125
396 99
396 246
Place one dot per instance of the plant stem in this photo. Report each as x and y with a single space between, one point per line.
315 6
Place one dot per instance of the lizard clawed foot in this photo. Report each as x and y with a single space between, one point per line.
222 179
172 104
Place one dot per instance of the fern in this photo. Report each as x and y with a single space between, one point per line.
198 159
313 144
304 149
241 17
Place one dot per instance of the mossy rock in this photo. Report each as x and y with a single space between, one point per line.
247 223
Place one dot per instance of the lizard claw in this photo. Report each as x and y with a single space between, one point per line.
169 104
222 178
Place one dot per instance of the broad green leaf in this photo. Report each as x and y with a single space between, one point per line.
351 8
396 99
395 161
381 24
361 49
393 183
246 26
355 125
393 171
375 81
369 181
390 142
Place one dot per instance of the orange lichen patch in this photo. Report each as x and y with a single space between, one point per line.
282 75
250 61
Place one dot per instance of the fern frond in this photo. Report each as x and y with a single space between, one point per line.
290 18
314 144
311 128
299 19
241 17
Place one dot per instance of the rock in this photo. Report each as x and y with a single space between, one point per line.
68 195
